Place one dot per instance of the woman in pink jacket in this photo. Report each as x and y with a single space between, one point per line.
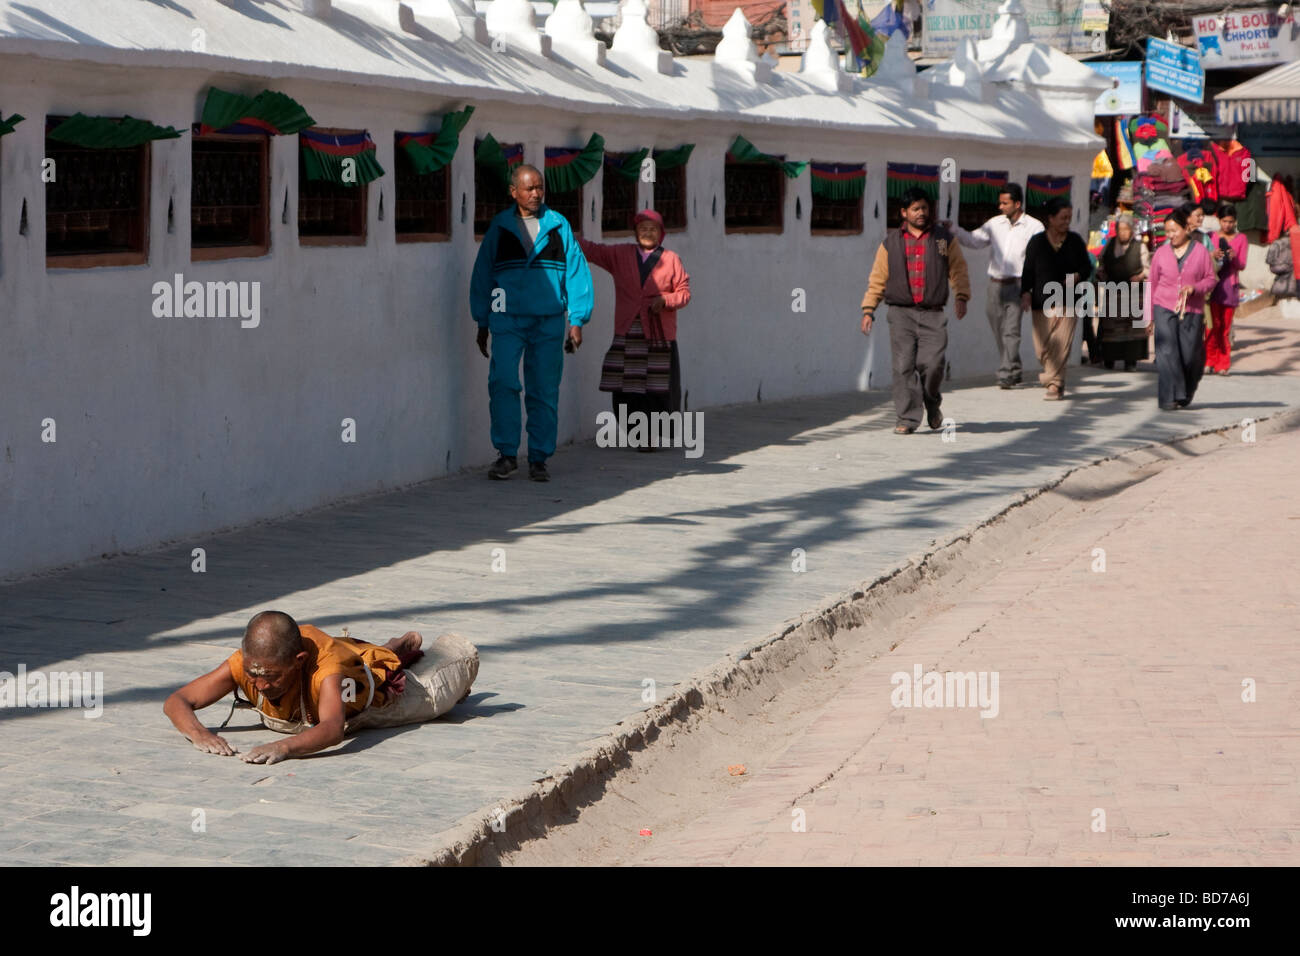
1231 248
1182 274
642 369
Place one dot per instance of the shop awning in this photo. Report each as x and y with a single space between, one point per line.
1272 97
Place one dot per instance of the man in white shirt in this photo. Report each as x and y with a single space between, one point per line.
1008 234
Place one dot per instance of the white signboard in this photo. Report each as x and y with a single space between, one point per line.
1252 37
1073 26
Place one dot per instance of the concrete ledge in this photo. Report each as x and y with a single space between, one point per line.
800 646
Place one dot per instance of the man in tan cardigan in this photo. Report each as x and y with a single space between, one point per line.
913 268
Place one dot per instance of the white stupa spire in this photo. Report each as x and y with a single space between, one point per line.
895 66
736 45
636 40
820 65
453 18
737 51
1010 29
511 23
571 31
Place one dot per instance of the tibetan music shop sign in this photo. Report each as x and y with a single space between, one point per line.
1255 37
1176 69
1073 26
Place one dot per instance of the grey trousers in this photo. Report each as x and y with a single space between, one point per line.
1180 354
1005 315
918 339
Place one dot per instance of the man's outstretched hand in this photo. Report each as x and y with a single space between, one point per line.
482 341
210 743
267 753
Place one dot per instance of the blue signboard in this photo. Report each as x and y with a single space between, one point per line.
1173 68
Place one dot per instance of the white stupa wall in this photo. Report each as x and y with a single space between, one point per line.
169 429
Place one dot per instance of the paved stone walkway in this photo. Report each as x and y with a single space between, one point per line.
626 567
1120 735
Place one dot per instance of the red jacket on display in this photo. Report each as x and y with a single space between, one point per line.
1232 174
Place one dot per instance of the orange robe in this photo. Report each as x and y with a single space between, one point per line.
325 656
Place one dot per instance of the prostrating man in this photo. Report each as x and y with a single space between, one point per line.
913 268
1008 233
318 688
528 278
1056 264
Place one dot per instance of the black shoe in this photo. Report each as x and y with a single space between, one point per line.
1170 408
934 418
502 468
1006 383
1184 403
537 471
1130 366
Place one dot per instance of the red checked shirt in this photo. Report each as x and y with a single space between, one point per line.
914 253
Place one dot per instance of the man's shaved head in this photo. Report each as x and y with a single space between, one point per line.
272 636
519 170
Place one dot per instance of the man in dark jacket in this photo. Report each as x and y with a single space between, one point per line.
913 268
1056 266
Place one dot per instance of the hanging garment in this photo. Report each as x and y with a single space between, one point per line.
1231 172
1281 210
1199 171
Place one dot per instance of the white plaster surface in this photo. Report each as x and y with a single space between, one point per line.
171 428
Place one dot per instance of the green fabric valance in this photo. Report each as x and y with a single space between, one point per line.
499 159
672 158
568 168
630 165
429 152
267 112
838 180
106 132
325 157
746 152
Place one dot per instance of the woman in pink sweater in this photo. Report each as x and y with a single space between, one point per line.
1182 274
642 368
1231 248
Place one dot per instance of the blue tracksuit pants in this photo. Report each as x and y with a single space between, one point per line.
539 341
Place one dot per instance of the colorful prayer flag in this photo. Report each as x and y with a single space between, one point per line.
868 45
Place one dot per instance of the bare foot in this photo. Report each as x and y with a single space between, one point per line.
407 647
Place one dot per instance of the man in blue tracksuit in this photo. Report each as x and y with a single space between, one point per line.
531 286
